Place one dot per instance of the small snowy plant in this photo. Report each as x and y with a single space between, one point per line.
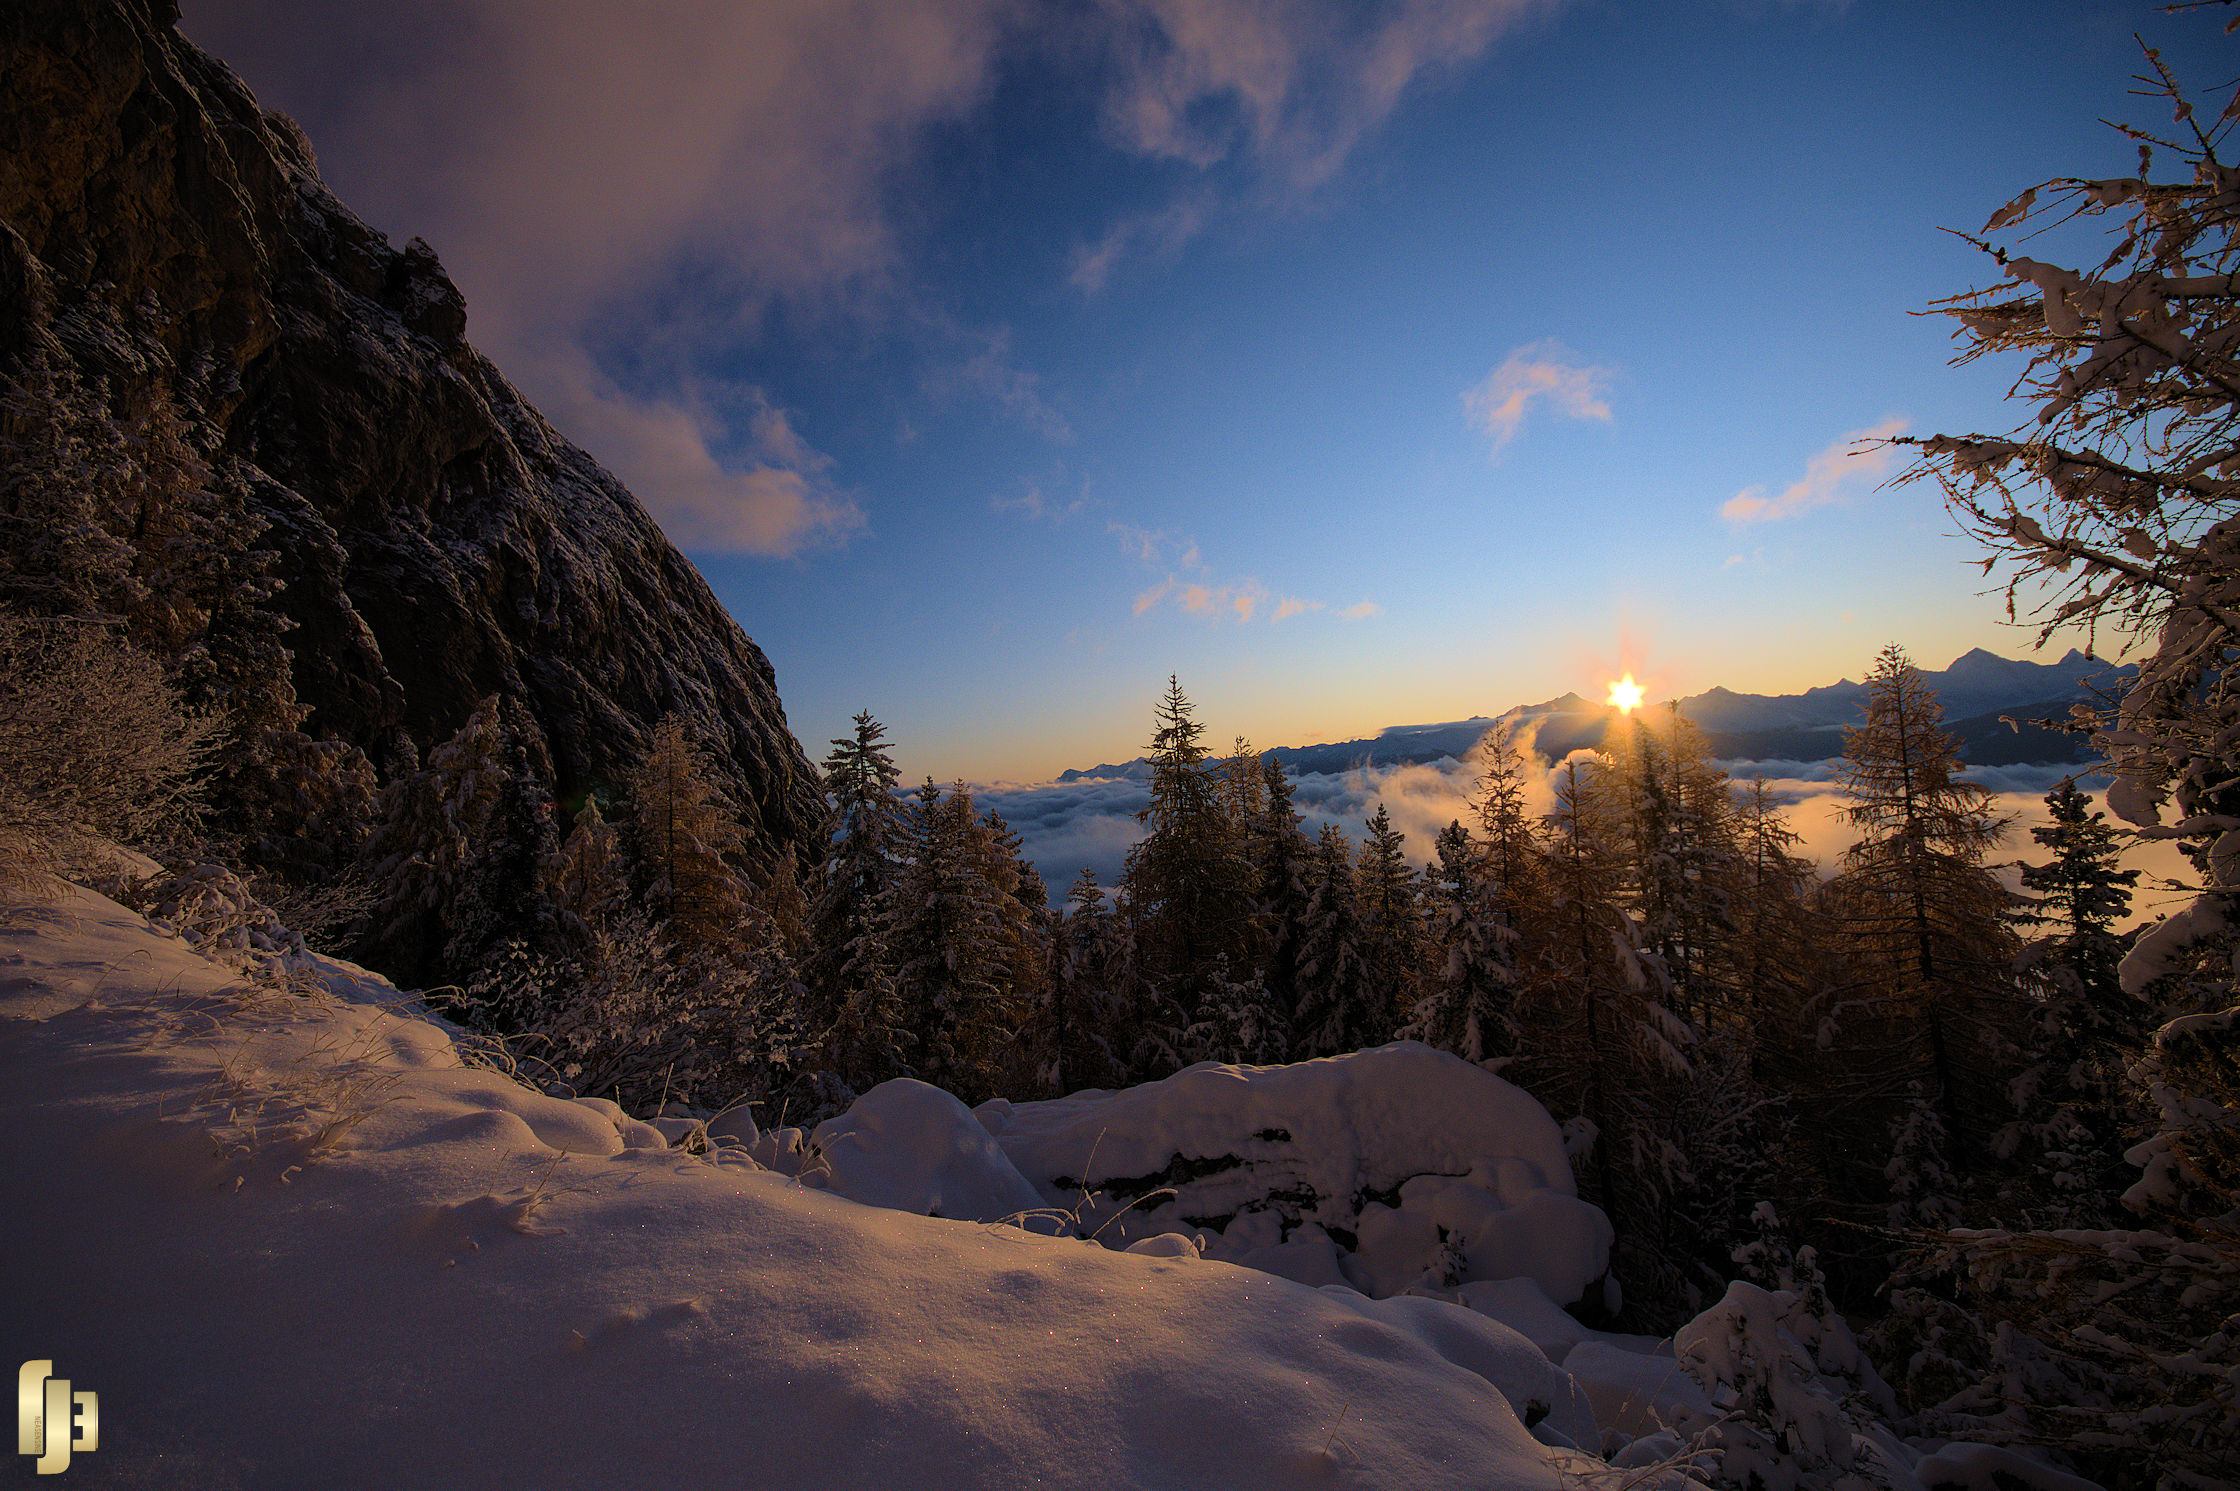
212 909
1802 1407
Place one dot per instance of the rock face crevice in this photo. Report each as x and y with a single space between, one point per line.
439 540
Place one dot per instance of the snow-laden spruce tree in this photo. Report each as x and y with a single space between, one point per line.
1469 996
1188 879
2082 1030
848 969
943 922
1337 1011
1393 946
2118 502
1077 1027
1281 857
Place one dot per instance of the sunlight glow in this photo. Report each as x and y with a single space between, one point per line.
1625 695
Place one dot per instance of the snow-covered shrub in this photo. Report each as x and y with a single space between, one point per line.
92 740
1801 1406
630 1018
215 912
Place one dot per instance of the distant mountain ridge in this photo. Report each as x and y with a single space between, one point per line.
1976 691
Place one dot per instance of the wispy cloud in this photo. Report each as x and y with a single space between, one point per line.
990 372
1283 94
1293 87
1151 235
1241 599
1154 547
1840 472
1036 508
1538 372
775 500
1360 610
1189 584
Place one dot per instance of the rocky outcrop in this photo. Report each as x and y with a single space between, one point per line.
439 540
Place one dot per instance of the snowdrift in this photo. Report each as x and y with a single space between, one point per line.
291 1240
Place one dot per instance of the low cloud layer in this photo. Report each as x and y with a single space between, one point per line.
1067 826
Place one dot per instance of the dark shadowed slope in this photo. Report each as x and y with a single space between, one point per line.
439 540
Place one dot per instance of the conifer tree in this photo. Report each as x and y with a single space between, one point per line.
1595 954
1077 1029
434 822
688 838
2082 1030
1609 1049
1023 904
588 881
1392 938
1188 879
849 970
1338 1010
63 478
1282 854
944 926
1925 916
1469 1000
1514 855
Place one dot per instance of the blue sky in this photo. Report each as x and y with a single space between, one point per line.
1360 364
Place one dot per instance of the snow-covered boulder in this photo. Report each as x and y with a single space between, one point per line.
911 1147
1393 1168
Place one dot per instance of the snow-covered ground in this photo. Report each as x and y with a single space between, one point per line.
290 1239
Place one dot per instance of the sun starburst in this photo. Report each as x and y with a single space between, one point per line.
1625 695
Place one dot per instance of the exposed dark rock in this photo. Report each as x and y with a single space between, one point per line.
439 540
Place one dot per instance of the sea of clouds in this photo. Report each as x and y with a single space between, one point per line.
1091 823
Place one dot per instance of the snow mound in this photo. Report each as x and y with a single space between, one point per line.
507 1292
1391 1169
1519 1305
911 1147
1536 1388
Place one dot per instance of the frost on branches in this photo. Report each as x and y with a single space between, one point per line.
2119 499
